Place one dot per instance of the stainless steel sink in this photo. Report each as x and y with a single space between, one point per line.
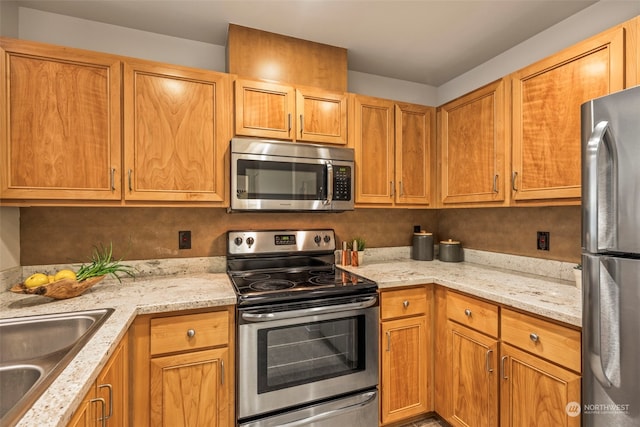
34 350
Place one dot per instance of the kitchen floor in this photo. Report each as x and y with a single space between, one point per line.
427 422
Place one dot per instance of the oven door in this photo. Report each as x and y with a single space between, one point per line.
306 353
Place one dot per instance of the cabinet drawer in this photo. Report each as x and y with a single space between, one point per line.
551 341
479 315
403 302
171 334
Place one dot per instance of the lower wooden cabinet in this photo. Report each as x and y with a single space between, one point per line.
184 369
404 353
109 396
474 378
497 366
536 392
189 389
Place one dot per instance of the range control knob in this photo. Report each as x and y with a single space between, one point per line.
327 239
317 239
237 241
250 241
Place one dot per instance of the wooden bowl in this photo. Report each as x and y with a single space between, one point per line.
62 289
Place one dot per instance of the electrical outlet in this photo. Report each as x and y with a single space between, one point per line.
184 239
543 240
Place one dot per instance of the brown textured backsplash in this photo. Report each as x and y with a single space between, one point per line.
514 230
62 235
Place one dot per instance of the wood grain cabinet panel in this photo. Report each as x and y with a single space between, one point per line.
176 132
474 378
394 152
536 392
109 394
473 145
61 123
405 358
189 389
182 378
414 154
546 104
279 111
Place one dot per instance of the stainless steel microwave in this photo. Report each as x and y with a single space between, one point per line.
286 176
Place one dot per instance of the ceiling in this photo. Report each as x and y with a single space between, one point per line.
423 41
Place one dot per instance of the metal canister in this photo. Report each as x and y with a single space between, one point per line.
422 246
450 251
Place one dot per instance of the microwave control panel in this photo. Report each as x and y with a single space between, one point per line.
342 183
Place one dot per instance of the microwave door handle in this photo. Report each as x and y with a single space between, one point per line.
599 216
329 184
368 397
269 316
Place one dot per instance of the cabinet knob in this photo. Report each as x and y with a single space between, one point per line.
191 333
405 304
534 337
467 312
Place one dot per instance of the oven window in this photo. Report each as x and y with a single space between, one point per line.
259 179
309 352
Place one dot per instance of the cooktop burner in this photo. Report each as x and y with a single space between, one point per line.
271 266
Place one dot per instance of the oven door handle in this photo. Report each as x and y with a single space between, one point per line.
266 317
368 398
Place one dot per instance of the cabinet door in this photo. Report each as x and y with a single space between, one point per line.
546 114
176 133
414 153
473 144
322 116
404 368
60 124
189 389
87 413
536 392
264 109
112 386
474 380
373 136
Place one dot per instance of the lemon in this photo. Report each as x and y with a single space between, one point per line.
35 280
51 279
64 274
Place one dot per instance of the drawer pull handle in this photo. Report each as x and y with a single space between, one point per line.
191 333
467 312
405 304
534 337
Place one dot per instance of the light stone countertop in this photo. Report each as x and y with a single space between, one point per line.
546 296
553 298
56 405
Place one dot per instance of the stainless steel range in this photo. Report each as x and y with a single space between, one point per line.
307 332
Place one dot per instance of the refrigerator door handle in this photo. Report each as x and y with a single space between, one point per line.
593 318
599 216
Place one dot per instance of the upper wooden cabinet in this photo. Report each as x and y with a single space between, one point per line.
415 153
546 103
283 112
60 124
394 152
473 146
176 123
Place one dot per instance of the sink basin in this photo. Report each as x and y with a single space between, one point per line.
15 382
34 350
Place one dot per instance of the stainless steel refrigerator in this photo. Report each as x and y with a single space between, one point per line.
611 260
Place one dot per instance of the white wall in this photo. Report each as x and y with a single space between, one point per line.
80 33
9 237
588 22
